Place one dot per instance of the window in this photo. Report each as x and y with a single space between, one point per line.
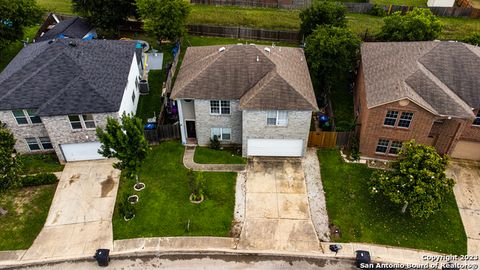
223 134
476 122
81 121
133 96
382 146
219 107
32 144
391 118
136 83
24 117
277 118
405 119
46 144
395 147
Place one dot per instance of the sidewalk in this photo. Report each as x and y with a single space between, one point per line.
190 163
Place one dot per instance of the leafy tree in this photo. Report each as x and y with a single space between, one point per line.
105 15
124 141
417 181
165 19
331 51
322 13
474 39
14 17
417 25
10 166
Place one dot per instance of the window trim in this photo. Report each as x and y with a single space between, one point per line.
277 122
39 144
27 117
388 147
410 120
220 138
82 122
386 117
220 107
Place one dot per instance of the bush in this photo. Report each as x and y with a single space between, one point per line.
322 13
355 152
197 184
474 39
38 179
378 11
125 208
215 143
417 25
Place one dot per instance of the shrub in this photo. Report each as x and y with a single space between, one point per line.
38 179
322 13
215 143
417 25
378 11
474 39
355 152
125 208
197 184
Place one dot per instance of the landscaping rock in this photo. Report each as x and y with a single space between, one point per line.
3 212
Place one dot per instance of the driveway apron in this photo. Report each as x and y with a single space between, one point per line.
467 193
79 220
277 211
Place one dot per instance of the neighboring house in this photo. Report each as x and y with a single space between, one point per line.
55 93
427 91
441 3
64 27
255 96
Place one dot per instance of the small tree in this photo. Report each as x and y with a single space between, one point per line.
105 15
474 39
322 13
417 25
417 182
331 51
10 166
14 17
124 141
165 19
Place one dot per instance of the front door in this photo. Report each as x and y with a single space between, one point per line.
191 133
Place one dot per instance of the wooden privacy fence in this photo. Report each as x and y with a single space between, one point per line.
329 139
290 4
163 133
244 33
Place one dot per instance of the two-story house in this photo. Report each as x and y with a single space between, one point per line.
258 97
427 91
55 93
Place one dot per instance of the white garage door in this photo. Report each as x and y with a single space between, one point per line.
274 147
467 150
81 151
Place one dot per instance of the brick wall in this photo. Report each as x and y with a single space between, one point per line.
204 122
61 132
255 127
471 132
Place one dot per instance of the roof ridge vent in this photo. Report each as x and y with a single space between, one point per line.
221 49
267 49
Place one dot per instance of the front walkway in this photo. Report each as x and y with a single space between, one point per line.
277 210
79 220
467 193
191 164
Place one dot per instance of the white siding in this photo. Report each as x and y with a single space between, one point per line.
128 106
441 3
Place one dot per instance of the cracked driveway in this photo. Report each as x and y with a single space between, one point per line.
277 211
467 194
79 220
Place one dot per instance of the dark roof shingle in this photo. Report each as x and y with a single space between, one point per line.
73 28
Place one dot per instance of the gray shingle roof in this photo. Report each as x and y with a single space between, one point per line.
58 79
442 77
73 28
278 79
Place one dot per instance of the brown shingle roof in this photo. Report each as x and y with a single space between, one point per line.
278 79
435 75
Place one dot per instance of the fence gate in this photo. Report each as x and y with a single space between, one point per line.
327 139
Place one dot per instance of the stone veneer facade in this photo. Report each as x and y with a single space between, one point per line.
57 128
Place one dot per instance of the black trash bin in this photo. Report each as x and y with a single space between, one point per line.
362 257
102 256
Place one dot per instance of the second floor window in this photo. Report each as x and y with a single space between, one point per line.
277 118
476 122
25 117
405 119
391 118
219 107
82 121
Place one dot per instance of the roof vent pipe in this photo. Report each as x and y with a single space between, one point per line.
267 49
221 49
258 59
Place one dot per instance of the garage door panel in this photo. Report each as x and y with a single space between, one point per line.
81 151
467 150
275 147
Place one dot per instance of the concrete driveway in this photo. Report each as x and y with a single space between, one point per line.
79 220
277 212
467 193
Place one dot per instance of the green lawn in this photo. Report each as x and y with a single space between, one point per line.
27 212
164 208
59 6
362 218
39 163
204 155
414 3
